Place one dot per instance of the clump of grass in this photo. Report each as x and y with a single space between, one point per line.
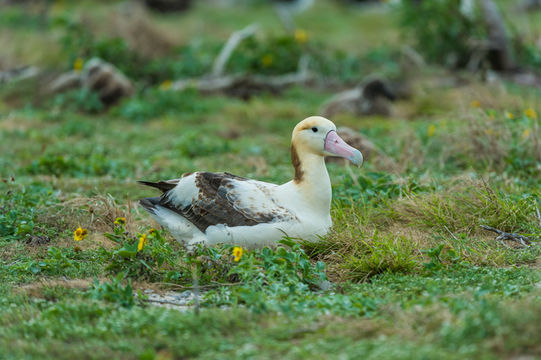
97 213
382 253
462 209
509 141
355 250
443 229
506 141
477 250
20 207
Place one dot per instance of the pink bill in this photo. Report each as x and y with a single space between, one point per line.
334 145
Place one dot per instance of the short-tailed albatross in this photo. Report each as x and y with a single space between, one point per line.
214 208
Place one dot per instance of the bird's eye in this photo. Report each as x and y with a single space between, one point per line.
314 129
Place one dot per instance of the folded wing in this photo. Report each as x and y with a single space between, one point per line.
206 199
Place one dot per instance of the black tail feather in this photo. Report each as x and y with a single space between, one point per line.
162 185
149 204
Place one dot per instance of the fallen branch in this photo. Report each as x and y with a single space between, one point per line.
502 235
18 73
232 43
242 85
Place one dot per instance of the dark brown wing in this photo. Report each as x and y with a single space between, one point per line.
214 204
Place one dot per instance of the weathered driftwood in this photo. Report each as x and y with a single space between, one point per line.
102 77
67 81
241 85
18 73
500 54
105 79
245 85
232 43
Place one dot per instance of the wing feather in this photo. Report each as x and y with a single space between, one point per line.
220 198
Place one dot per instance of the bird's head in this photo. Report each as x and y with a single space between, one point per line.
317 135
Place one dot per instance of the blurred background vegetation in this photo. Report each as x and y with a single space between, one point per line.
442 97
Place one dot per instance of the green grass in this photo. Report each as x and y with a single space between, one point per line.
472 312
405 273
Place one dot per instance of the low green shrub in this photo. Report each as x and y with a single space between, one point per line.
113 291
19 209
450 33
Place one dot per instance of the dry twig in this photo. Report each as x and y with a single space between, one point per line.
449 231
502 235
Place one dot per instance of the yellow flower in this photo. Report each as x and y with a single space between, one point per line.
142 242
267 60
152 231
489 131
531 113
509 115
237 253
476 104
166 85
526 134
301 37
431 130
78 64
80 234
120 221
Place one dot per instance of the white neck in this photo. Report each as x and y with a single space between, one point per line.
314 184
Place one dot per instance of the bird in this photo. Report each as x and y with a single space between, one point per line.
221 208
370 98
